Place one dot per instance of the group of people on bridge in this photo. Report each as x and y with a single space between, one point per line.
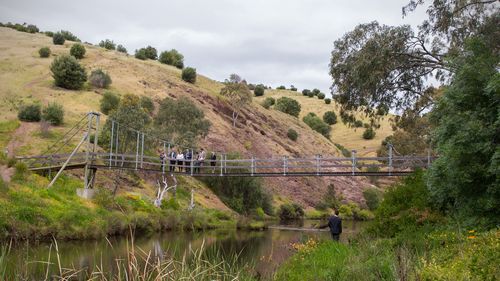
184 161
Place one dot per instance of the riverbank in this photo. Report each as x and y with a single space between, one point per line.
31 211
408 240
439 255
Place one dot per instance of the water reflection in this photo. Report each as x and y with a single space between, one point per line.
262 250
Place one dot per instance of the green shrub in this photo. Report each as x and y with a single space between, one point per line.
31 28
109 102
369 134
292 134
44 52
189 75
172 57
310 94
68 73
121 49
288 106
58 38
30 113
268 102
315 123
372 196
306 92
346 152
99 79
293 88
20 173
49 33
328 100
77 50
321 96
258 91
316 92
358 123
54 114
281 88
330 117
170 204
107 44
69 36
290 212
345 211
141 54
148 104
259 213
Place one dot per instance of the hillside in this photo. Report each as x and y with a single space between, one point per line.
349 137
25 78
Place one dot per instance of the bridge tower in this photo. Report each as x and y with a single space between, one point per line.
93 125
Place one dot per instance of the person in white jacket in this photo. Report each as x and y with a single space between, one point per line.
180 160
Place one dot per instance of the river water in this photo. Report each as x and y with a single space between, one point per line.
262 250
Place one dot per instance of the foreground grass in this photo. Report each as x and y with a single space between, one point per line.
138 265
444 255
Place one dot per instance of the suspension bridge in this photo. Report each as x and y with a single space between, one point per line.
132 149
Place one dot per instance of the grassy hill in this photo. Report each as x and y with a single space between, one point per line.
26 78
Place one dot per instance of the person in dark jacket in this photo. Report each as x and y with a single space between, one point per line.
335 225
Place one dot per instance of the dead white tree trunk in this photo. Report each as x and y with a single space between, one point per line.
161 191
235 117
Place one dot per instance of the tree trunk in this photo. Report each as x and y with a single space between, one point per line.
235 117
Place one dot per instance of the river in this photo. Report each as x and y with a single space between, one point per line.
263 250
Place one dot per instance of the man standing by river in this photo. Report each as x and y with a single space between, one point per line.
335 225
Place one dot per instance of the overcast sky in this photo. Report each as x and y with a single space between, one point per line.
264 41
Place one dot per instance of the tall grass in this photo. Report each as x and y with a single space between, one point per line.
138 265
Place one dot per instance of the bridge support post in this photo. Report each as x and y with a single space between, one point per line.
137 151
390 159
88 179
285 165
253 166
142 150
111 142
353 160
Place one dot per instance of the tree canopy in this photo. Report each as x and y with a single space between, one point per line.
237 93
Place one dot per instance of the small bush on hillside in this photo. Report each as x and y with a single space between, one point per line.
281 88
306 92
293 88
30 113
310 94
268 102
58 38
49 33
54 114
292 134
78 51
316 92
121 49
44 52
109 102
141 54
172 57
372 197
68 73
330 117
189 75
258 91
288 106
69 36
321 96
315 123
290 212
107 44
369 134
328 100
358 123
148 104
99 79
346 152
31 28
